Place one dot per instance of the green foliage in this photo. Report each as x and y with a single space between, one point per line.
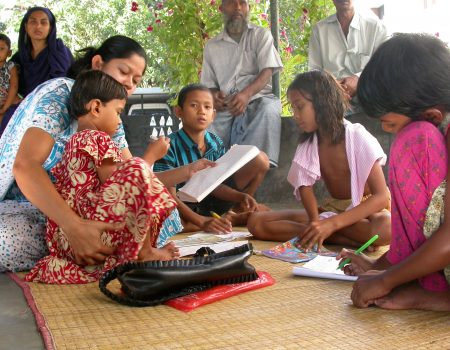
174 32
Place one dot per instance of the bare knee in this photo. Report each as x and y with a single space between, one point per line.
381 226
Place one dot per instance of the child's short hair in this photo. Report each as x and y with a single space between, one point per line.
182 95
91 85
328 101
6 39
406 75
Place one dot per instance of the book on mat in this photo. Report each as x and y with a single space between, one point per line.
192 301
205 181
218 243
291 251
323 267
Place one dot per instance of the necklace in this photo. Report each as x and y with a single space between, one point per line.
202 148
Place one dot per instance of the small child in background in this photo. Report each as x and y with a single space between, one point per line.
9 76
99 185
192 142
348 159
406 85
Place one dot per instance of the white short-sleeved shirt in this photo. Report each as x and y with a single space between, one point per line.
228 65
330 50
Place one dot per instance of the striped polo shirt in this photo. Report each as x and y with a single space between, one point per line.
184 151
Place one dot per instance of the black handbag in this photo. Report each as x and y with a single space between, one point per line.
153 282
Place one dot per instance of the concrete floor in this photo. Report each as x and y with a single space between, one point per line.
17 324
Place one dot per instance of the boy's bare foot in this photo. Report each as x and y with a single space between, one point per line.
412 296
168 252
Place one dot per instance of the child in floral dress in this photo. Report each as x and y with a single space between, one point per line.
95 181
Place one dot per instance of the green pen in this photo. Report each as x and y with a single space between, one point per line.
359 251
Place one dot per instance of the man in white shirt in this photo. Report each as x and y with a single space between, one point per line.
343 43
238 65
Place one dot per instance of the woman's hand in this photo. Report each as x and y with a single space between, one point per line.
84 238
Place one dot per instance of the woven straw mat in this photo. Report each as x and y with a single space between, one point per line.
294 313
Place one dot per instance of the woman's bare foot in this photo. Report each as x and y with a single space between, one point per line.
412 296
168 252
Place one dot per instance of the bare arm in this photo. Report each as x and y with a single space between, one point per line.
83 235
375 203
13 88
106 169
433 255
309 202
237 103
319 231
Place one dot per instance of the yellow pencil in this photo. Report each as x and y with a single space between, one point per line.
214 215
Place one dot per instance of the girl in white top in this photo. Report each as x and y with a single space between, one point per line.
348 159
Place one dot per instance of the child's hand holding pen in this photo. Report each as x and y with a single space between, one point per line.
359 264
218 224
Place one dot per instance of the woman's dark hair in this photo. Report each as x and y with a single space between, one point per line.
407 74
118 46
94 85
182 95
328 102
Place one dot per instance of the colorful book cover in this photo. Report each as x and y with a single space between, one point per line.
290 251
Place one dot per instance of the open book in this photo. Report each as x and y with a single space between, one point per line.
323 267
205 181
291 251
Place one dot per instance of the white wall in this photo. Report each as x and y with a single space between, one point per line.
430 16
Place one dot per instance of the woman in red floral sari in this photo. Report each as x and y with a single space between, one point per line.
96 183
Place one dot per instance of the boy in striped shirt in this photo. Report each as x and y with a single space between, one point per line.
192 142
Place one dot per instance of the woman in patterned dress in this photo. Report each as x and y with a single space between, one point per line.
97 183
32 144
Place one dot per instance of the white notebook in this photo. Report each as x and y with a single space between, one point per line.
205 181
323 267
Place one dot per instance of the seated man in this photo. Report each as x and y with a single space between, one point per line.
343 43
192 142
238 65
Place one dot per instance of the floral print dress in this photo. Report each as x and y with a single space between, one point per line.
132 194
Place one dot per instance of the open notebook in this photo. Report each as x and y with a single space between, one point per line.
218 243
322 267
205 181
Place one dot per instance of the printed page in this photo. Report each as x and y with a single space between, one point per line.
205 181
323 267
